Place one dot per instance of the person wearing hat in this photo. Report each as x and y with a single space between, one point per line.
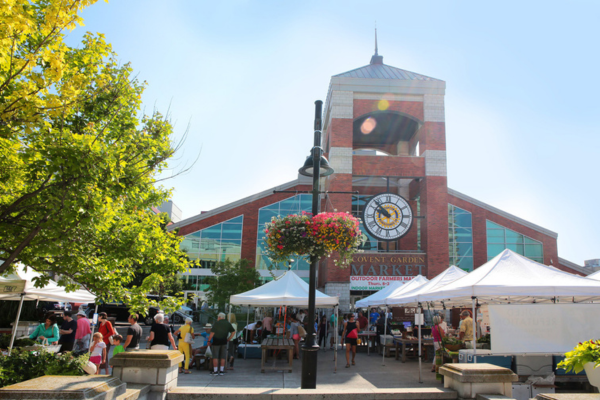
222 333
202 349
83 334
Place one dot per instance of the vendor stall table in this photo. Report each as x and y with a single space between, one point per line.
276 344
369 339
403 342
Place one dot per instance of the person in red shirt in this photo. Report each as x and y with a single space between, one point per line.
362 320
107 330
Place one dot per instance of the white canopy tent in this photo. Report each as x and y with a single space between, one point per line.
413 284
376 298
595 275
287 290
416 296
510 277
23 282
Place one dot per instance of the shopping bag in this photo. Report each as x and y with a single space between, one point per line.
301 331
353 334
188 338
208 352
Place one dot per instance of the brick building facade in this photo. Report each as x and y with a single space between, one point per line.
384 131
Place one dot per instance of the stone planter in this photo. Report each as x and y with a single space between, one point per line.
593 374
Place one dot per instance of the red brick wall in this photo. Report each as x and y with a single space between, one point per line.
434 232
388 166
250 213
479 217
340 133
569 270
432 136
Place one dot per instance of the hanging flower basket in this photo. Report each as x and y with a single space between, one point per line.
318 236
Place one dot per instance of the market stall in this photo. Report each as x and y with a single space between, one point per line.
534 309
21 287
287 290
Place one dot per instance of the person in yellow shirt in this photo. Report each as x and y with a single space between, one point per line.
185 348
466 327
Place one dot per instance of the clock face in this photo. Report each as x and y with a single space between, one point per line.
387 216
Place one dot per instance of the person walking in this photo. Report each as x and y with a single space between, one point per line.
322 332
295 335
222 333
67 331
438 334
160 334
184 347
350 335
231 346
84 333
107 331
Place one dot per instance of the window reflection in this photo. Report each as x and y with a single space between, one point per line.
460 237
500 238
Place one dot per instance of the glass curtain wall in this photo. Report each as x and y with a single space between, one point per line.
460 234
215 243
294 205
500 238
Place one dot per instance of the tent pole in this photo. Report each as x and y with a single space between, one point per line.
420 311
384 334
335 332
247 323
368 330
93 328
14 333
474 342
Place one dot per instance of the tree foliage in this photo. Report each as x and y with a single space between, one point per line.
231 278
77 159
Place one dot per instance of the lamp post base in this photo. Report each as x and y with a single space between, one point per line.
309 367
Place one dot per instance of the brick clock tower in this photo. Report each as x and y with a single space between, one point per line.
384 132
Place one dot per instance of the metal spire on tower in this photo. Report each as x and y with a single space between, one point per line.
376 59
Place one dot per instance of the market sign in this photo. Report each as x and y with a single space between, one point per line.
375 282
374 271
10 287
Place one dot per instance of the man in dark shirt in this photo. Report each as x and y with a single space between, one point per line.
222 332
67 333
134 334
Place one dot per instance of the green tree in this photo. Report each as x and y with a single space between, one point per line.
77 159
231 278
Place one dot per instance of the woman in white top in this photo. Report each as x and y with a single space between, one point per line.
232 343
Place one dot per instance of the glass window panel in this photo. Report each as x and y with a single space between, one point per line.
496 233
212 233
231 232
237 220
274 206
513 237
491 225
531 241
534 251
463 220
458 210
464 249
517 248
494 249
465 263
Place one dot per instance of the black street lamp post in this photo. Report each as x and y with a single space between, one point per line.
316 166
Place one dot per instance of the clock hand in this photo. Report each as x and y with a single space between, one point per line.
384 212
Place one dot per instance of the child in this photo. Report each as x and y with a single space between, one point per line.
118 348
98 351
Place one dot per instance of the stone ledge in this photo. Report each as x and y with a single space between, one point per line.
568 396
493 397
147 359
478 373
100 387
193 393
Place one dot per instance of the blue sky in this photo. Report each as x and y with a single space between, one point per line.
522 97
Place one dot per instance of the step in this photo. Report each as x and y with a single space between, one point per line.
91 387
202 393
135 391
